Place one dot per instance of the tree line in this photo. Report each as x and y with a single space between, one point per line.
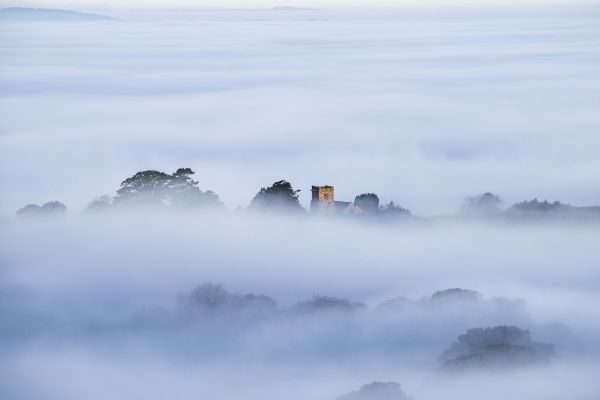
151 189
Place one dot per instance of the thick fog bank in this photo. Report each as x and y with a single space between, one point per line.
261 252
90 304
422 109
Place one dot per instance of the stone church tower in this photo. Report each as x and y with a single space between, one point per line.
322 199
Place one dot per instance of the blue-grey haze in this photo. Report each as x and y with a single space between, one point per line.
421 107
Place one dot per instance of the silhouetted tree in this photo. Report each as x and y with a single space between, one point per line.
500 346
158 188
152 184
368 203
279 197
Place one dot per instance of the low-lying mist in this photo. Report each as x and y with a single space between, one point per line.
258 306
115 299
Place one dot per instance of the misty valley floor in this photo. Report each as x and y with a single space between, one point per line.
99 307
422 107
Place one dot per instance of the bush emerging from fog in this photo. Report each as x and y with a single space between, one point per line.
51 208
497 347
377 391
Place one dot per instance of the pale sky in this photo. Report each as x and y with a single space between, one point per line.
98 4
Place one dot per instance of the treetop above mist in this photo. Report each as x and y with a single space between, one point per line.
497 347
279 197
157 189
48 209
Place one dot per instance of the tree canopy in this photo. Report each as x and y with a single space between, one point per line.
158 188
500 346
279 197
368 203
536 206
393 210
50 208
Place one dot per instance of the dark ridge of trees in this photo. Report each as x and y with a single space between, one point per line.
368 203
327 303
497 347
483 204
377 391
50 208
538 207
455 295
279 197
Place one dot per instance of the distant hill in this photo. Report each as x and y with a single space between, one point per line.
47 14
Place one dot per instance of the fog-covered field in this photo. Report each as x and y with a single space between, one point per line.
420 107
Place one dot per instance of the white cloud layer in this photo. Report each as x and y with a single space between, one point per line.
253 4
89 307
420 108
